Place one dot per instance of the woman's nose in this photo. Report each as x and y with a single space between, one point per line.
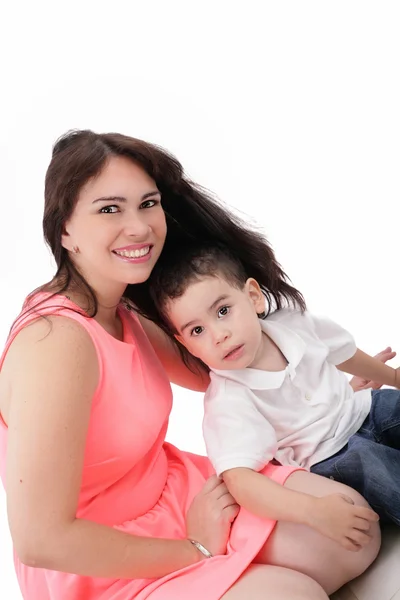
135 226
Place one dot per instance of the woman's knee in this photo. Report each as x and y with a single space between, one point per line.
265 582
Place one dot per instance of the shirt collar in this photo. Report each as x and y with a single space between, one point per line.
290 344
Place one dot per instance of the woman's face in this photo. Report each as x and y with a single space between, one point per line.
117 228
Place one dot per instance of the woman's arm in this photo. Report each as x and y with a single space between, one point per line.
171 360
371 368
54 375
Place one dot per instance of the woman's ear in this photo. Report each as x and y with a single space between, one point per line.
66 241
255 295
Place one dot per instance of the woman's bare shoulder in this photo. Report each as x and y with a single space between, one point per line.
51 333
51 348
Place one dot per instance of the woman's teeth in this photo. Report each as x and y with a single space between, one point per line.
133 253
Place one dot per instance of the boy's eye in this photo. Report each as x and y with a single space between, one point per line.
196 330
109 209
223 311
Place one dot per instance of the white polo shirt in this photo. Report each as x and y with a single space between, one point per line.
298 416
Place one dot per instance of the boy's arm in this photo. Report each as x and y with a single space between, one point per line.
240 442
344 354
360 383
266 498
235 432
371 368
334 516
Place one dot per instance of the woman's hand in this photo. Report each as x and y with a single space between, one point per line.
210 516
358 383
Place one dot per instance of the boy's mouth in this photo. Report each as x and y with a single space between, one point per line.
234 353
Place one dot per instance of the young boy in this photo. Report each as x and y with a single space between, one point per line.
278 390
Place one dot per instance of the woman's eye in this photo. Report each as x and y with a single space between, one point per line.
109 209
196 330
149 203
223 311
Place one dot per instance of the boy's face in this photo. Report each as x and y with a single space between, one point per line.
218 323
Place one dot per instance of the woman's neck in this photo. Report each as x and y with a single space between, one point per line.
106 314
102 307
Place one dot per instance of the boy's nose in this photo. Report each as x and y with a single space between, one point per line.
220 336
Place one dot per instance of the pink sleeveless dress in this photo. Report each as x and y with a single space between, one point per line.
133 480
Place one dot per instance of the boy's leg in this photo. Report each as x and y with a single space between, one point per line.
370 468
384 418
370 462
303 549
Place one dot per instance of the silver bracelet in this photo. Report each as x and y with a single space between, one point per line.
201 548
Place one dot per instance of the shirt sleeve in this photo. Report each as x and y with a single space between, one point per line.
340 343
236 434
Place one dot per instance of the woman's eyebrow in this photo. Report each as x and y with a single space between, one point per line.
123 199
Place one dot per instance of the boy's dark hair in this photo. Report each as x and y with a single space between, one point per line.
171 278
174 272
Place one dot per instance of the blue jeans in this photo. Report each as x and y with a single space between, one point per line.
370 462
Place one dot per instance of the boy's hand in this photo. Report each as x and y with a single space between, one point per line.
358 383
338 518
397 378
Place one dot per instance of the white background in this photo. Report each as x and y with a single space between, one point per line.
289 111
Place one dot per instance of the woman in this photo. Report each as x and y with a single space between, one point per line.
99 506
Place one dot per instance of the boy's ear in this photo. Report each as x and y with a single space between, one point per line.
180 339
255 295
